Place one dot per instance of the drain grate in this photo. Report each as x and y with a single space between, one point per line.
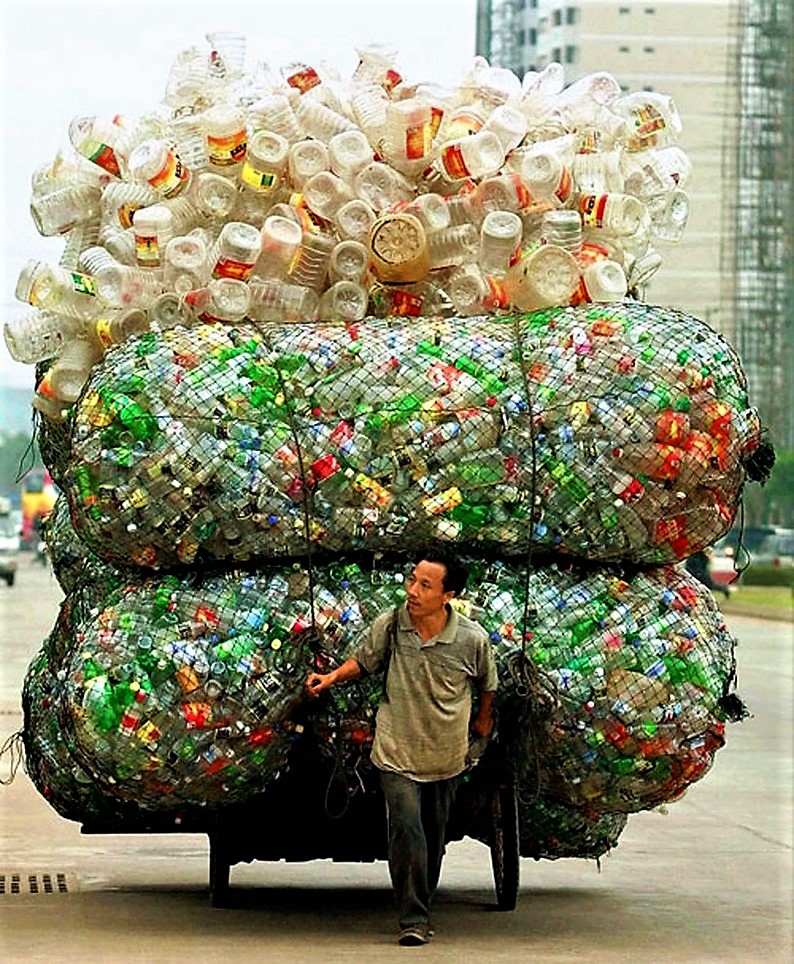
34 884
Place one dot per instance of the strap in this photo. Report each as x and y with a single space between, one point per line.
391 639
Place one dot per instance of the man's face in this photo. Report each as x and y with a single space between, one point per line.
426 596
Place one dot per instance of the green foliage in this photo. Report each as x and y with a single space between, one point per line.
16 456
773 503
765 574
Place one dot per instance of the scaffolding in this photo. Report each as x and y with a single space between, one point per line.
763 261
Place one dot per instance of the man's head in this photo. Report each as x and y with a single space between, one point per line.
437 576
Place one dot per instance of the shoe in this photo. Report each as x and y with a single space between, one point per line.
414 936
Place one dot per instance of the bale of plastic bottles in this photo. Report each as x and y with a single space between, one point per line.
185 689
588 431
71 560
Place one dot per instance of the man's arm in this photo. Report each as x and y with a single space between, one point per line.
482 724
316 683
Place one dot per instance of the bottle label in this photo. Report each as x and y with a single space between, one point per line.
454 164
147 250
563 191
417 141
406 304
224 151
258 180
436 116
463 124
496 299
229 268
647 121
106 158
391 79
592 207
82 283
171 177
125 211
304 78
103 332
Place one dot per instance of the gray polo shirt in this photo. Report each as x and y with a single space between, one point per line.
422 726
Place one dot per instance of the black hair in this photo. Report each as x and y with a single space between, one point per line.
456 573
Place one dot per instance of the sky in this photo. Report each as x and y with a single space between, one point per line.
62 59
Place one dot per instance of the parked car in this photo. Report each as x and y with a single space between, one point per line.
776 549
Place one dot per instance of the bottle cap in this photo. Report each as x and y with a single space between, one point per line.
399 248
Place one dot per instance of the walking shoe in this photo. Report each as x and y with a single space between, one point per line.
414 936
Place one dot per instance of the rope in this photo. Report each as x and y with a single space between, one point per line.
14 746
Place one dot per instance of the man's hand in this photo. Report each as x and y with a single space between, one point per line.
483 723
316 683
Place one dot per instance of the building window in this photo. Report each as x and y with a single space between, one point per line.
650 10
532 36
556 18
649 50
571 15
521 38
571 53
533 4
556 54
623 50
624 10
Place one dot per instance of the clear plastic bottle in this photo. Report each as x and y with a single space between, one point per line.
618 214
227 54
190 140
152 228
409 132
115 329
472 292
306 158
369 103
280 301
548 275
122 286
275 113
155 162
310 265
61 210
96 139
381 186
399 249
223 299
597 172
669 214
500 241
545 168
326 193
377 64
185 264
509 124
169 310
462 121
281 239
432 210
236 251
349 262
604 280
348 153
265 162
354 221
646 174
343 301
72 368
227 137
652 119
453 246
38 335
121 199
214 196
478 155
321 122
503 192
563 227
57 289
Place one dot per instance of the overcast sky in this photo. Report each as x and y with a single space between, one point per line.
65 59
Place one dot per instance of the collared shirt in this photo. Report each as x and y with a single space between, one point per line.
422 726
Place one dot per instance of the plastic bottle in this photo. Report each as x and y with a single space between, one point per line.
472 292
227 137
669 214
321 122
563 227
604 280
59 211
275 113
354 221
72 368
117 328
280 301
223 299
618 214
349 262
369 103
348 153
265 162
409 134
509 124
185 264
120 285
502 192
500 240
652 119
477 156
547 276
96 140
310 265
655 171
281 239
381 187
121 199
190 140
399 249
118 242
152 228
38 335
343 301
326 193
56 289
236 251
431 209
155 162
214 196
453 246
545 169
306 158
597 171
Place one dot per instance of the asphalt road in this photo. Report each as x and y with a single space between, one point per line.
710 881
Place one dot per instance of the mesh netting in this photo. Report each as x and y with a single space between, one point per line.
626 427
182 690
72 561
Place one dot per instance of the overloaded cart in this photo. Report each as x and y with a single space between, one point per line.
302 329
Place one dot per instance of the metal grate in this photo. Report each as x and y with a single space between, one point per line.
33 884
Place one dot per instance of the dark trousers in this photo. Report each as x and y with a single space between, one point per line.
418 814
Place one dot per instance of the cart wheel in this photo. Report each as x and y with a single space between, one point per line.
505 846
219 871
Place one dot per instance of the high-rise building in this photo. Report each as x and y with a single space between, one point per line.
727 65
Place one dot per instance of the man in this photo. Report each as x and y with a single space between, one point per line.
423 723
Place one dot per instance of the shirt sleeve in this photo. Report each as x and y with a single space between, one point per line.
371 652
487 678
